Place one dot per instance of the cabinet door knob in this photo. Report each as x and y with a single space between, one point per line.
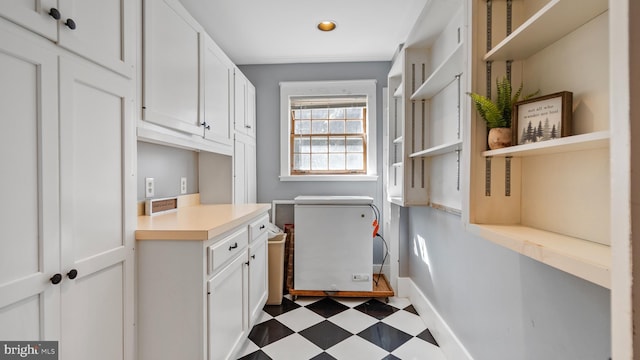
70 24
253 256
248 126
72 274
55 279
262 227
54 13
235 245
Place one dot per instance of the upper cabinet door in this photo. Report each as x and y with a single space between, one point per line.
240 102
38 16
103 31
100 30
218 85
171 67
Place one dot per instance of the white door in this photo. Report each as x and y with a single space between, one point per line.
29 217
239 173
228 308
37 16
258 277
101 30
218 85
240 101
96 302
171 67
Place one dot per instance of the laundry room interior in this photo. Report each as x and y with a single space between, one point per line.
430 179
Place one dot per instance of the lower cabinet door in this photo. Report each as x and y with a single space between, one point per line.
228 308
258 277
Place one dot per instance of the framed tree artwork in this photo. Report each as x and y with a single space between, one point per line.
542 118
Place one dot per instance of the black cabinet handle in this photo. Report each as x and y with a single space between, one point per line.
70 24
55 279
206 126
262 227
72 274
247 263
248 126
234 246
54 13
253 256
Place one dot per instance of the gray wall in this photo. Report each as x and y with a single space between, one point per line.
503 305
266 79
166 165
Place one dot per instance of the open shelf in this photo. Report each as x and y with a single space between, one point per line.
555 20
585 259
397 165
595 140
398 140
439 150
442 76
399 91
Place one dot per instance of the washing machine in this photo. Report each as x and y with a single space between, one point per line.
333 248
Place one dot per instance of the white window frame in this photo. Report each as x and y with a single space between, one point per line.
323 88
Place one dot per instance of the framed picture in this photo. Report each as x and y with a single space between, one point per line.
542 118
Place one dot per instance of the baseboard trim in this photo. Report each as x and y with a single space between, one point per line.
446 338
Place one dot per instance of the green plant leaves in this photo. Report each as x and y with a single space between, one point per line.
498 113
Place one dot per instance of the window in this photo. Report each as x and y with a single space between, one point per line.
328 130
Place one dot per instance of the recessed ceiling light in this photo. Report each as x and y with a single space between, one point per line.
327 25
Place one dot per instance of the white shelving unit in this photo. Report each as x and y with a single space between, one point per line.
441 76
556 200
439 150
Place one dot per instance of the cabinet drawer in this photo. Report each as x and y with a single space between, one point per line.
227 248
258 227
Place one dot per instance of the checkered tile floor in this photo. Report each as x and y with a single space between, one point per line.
342 329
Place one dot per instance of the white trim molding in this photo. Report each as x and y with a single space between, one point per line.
321 88
446 338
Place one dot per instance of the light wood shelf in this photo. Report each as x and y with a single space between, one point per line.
595 140
585 259
439 150
555 20
441 76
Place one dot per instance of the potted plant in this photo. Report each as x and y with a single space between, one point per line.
497 114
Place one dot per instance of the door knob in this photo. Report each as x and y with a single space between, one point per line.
72 274
55 279
70 24
54 13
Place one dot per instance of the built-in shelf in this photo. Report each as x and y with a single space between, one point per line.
585 259
398 92
595 140
439 150
441 76
398 140
555 20
397 165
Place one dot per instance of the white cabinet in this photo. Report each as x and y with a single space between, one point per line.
188 82
245 105
68 247
198 298
227 308
93 29
424 132
244 170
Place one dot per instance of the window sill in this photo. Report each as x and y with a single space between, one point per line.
329 178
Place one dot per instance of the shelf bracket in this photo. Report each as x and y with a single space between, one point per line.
458 161
509 17
459 101
507 176
487 176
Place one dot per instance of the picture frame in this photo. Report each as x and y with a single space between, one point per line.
542 118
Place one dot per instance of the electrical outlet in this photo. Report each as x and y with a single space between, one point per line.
360 277
183 185
149 187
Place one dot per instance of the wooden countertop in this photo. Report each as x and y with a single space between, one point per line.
198 222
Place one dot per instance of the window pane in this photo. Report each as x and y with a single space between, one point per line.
355 162
354 127
354 113
336 113
320 113
302 127
319 126
302 145
336 127
320 145
355 145
319 162
302 114
336 144
301 162
336 162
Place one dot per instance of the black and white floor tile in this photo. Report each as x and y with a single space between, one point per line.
321 328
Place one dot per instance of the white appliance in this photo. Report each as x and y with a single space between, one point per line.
333 248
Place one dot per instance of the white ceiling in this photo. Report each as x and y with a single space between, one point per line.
284 31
